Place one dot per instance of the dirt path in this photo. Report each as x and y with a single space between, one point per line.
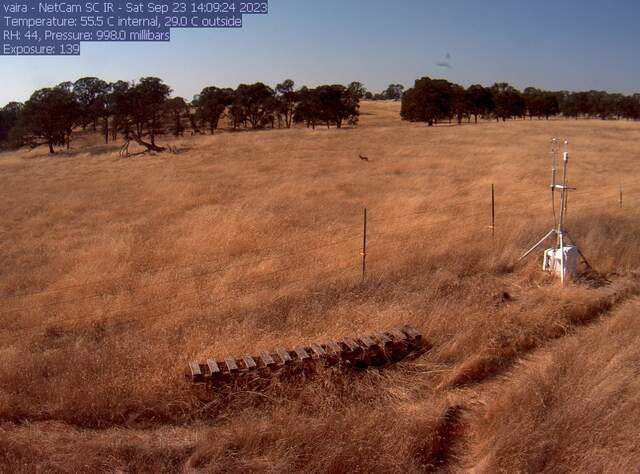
464 429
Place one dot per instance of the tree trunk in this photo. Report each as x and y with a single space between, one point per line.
51 151
149 146
194 125
106 129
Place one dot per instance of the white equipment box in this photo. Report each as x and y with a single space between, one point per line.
553 261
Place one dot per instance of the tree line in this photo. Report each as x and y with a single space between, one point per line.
143 110
437 100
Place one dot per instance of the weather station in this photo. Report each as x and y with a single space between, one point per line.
562 259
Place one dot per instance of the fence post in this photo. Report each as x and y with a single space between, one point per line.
620 195
493 211
364 246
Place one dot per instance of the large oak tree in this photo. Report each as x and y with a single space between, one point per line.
50 114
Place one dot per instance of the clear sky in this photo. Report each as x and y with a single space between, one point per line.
561 44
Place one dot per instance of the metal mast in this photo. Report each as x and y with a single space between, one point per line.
562 236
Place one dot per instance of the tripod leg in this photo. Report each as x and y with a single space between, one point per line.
551 232
579 251
562 259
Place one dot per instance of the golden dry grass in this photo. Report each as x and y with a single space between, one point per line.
117 272
571 408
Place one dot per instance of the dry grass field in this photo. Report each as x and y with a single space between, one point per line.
115 273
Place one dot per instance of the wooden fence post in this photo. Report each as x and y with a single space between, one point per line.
364 246
493 211
620 195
